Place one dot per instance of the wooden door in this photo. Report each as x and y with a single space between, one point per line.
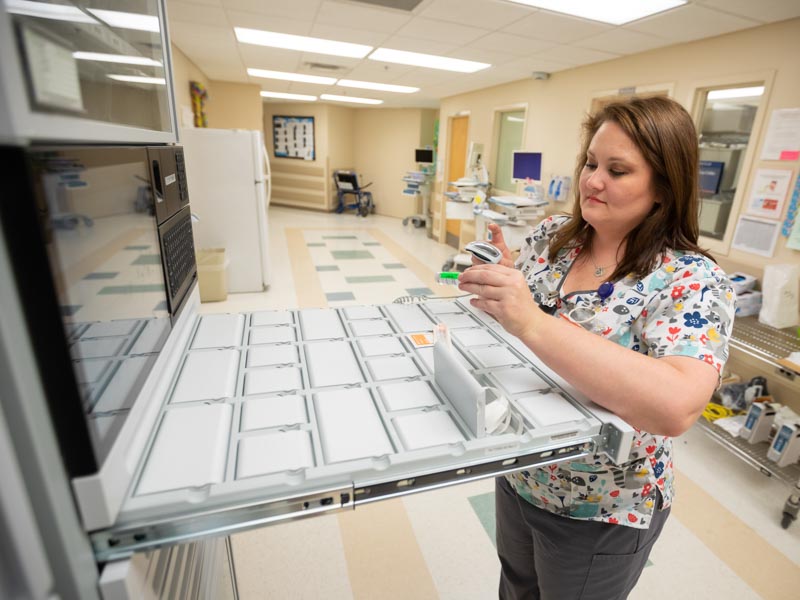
457 164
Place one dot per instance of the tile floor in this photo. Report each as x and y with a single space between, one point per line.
723 539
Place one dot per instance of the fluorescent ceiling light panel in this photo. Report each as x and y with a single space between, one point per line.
350 99
127 20
285 96
615 12
291 76
383 87
301 43
748 92
137 79
57 12
427 60
117 58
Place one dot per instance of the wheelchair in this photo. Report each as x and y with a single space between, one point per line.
347 184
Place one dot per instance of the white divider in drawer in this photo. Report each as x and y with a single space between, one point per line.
117 394
549 409
332 363
350 426
321 324
110 328
362 312
272 335
392 367
375 346
426 429
409 318
473 337
496 356
274 411
207 375
102 347
282 354
274 452
90 371
152 337
426 355
370 327
189 450
273 379
454 321
517 381
271 317
442 307
409 394
219 331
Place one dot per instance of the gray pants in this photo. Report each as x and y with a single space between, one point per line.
547 557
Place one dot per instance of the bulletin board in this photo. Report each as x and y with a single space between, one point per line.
293 137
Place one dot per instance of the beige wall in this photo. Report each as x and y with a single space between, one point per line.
184 71
555 107
234 105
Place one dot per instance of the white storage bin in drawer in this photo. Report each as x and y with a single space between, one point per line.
332 363
110 328
409 318
117 394
190 449
370 327
262 356
273 411
454 321
98 348
549 409
376 346
272 335
518 381
321 324
90 371
473 337
362 312
426 429
274 452
271 317
219 331
392 367
270 380
350 426
207 375
409 394
152 336
442 307
496 356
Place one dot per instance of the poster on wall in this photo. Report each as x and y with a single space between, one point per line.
293 137
782 141
768 192
756 236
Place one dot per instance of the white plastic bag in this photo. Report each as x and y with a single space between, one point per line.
779 306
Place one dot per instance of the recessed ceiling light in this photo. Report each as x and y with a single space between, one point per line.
127 20
57 12
350 99
615 12
383 87
117 58
291 76
427 60
747 92
300 42
286 96
137 79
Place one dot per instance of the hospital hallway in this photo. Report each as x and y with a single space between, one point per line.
723 540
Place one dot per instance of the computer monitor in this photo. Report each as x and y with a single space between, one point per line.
710 176
526 166
423 156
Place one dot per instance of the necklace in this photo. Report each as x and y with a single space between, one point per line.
598 270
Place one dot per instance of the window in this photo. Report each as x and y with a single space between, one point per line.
509 138
725 126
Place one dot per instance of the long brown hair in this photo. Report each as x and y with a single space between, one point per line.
664 133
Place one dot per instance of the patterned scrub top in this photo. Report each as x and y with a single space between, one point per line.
684 307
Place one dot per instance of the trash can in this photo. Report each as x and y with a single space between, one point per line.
212 273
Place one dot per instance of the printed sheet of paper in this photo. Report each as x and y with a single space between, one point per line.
768 193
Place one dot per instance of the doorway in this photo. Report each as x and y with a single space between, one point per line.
456 168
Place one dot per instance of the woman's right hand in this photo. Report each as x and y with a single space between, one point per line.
500 243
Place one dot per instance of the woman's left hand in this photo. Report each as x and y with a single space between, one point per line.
503 293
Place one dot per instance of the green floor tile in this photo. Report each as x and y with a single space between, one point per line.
148 259
351 254
130 289
369 279
339 237
483 505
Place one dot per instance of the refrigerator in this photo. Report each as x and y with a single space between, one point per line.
229 183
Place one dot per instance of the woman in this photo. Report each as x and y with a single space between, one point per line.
643 317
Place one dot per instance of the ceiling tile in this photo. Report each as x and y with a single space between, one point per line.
371 70
487 56
422 78
623 41
564 29
512 44
690 22
369 18
574 55
765 11
269 58
489 14
196 13
354 36
251 20
200 2
397 42
292 9
525 66
433 29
